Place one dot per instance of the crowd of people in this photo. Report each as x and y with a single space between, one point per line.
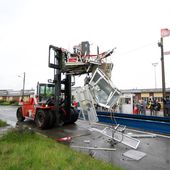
153 105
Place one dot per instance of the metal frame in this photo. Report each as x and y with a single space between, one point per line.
114 92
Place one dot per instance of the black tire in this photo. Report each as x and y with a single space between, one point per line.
52 118
42 119
74 115
19 115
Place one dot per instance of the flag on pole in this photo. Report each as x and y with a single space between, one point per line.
165 32
167 53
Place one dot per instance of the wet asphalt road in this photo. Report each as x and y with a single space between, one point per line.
157 149
8 113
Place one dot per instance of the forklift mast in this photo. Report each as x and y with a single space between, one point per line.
56 61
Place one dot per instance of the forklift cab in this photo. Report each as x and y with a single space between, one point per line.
45 91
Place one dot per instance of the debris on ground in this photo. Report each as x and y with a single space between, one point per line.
64 139
134 154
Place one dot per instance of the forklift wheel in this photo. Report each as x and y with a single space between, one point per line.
20 117
52 118
74 115
42 119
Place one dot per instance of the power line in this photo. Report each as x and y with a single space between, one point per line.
138 48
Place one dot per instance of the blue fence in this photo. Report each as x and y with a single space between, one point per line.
142 122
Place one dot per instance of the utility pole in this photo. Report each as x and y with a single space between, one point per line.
23 86
160 44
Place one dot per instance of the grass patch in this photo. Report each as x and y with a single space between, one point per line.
23 149
2 123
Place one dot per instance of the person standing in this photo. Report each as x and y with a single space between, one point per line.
167 107
136 110
144 107
151 107
157 107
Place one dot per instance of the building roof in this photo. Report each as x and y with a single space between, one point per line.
6 93
154 90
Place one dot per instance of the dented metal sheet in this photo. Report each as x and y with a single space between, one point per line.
87 109
133 154
119 137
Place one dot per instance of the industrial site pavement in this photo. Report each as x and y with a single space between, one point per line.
153 152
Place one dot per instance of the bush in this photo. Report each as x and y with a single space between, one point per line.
6 103
14 103
2 101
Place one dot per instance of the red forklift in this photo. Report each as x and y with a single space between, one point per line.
52 105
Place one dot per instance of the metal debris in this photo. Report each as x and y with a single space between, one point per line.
134 154
142 135
67 138
118 136
86 141
94 148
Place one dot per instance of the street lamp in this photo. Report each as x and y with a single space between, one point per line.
23 89
154 65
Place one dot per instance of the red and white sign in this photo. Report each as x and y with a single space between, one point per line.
165 32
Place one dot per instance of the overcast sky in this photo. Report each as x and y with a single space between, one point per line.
28 27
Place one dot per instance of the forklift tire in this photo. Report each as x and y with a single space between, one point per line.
52 118
42 119
20 117
74 115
